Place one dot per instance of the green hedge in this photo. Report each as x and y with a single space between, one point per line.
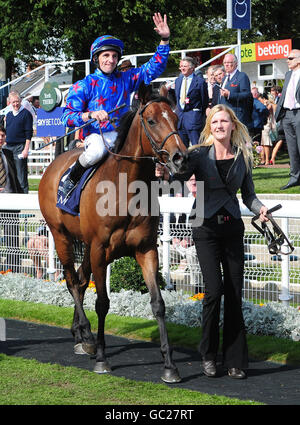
127 274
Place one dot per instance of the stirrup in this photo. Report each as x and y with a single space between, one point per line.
276 239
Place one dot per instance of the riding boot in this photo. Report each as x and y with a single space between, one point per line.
73 178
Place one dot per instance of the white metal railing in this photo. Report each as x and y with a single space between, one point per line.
266 277
254 281
38 160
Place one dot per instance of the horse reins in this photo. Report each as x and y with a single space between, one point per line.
159 151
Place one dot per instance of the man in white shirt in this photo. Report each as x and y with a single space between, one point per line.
236 90
288 109
192 100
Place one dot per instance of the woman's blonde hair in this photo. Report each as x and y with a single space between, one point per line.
240 137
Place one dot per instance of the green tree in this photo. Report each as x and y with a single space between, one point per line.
32 29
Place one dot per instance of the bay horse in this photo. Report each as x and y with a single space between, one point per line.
149 133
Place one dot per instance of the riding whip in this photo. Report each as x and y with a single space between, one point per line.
79 128
275 238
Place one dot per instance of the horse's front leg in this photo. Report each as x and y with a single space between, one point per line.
149 264
102 306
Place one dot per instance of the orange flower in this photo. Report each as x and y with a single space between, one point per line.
198 297
92 284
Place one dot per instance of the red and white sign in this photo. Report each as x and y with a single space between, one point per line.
277 49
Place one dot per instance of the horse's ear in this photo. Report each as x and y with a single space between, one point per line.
163 91
144 93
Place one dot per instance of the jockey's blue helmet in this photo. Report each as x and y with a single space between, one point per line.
106 42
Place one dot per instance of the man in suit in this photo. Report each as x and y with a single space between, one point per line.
192 100
288 110
236 91
219 75
9 183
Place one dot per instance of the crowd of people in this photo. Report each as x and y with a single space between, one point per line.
220 117
227 85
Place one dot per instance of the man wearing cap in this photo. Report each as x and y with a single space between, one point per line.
125 65
104 90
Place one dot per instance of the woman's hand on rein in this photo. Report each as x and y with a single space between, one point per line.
263 214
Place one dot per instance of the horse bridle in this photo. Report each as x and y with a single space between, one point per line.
158 150
274 239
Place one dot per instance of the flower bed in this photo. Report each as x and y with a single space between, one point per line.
271 319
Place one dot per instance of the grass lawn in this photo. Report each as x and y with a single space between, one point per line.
28 382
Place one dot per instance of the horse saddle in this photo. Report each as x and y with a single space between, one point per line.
70 203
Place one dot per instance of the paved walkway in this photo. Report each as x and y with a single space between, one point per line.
269 383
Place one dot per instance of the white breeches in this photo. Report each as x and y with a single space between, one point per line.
94 148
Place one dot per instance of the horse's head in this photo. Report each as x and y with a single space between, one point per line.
159 124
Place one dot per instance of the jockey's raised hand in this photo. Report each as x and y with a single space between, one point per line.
161 26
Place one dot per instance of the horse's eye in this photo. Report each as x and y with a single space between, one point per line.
150 122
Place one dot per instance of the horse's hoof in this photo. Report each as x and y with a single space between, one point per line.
83 348
89 348
78 349
102 367
171 376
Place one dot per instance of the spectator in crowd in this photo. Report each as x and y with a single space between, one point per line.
19 128
269 130
275 94
219 75
210 85
125 65
259 116
9 183
192 101
224 163
106 88
134 101
236 91
38 249
288 110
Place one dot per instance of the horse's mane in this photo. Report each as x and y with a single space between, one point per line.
127 118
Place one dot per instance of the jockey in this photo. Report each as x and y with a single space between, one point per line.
104 90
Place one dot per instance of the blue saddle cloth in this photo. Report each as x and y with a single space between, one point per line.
70 204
